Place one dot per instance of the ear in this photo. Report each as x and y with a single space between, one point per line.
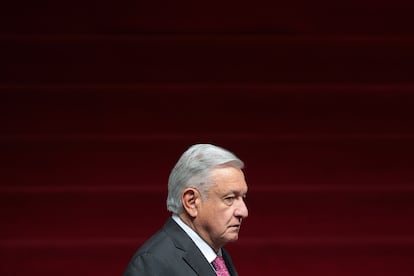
190 198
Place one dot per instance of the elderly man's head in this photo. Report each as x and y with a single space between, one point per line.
207 189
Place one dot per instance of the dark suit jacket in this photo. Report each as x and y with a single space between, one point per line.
172 252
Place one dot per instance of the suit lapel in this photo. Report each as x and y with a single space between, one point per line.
198 263
191 254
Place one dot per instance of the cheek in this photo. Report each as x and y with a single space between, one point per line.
230 214
219 215
226 216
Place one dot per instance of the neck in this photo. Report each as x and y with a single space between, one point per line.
191 222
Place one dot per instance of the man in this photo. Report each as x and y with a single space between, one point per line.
206 192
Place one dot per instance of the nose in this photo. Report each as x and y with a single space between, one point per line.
241 210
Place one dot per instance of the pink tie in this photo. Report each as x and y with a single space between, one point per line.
220 267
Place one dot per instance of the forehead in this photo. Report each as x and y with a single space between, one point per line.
227 179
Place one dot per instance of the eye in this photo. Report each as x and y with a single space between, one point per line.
229 200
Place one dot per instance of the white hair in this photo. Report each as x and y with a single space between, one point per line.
192 170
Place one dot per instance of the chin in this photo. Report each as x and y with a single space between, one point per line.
233 238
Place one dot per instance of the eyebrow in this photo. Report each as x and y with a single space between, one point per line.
237 192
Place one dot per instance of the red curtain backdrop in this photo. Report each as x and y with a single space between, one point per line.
99 99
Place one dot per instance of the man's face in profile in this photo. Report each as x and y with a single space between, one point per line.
220 213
